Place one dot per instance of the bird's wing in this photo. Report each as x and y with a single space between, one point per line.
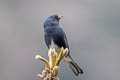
60 38
66 41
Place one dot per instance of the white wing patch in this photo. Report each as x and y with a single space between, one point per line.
56 47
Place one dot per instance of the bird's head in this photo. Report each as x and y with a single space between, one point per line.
52 20
55 17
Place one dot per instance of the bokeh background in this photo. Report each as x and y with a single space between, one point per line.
92 28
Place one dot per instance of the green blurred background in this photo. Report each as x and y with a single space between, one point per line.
92 28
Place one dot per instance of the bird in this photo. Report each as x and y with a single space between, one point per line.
56 38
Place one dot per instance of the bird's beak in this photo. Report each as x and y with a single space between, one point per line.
60 16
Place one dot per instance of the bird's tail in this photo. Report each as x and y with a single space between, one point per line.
75 68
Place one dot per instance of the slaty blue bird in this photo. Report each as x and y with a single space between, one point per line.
56 38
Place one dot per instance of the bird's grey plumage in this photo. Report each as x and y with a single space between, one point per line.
55 38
